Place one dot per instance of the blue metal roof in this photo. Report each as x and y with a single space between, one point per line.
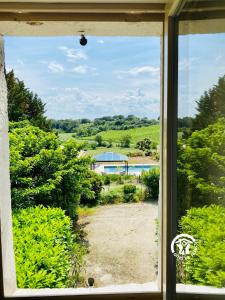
111 156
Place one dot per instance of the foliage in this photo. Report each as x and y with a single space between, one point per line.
118 178
24 104
206 225
129 193
111 197
150 179
43 246
84 211
146 145
85 127
44 171
201 167
125 141
135 154
211 105
99 140
95 184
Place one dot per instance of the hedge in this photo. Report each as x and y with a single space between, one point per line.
46 250
206 225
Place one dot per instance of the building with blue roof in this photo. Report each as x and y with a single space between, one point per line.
111 157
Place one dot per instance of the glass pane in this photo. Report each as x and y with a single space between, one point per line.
201 146
84 160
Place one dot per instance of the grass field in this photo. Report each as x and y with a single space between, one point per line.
137 134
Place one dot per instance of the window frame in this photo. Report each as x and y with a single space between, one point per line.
169 77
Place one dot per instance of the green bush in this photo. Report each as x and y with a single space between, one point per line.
111 197
151 181
206 225
129 193
95 184
46 250
135 154
107 180
118 178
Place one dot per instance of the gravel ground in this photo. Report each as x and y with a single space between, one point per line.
122 247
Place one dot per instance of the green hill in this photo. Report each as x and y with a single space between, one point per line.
136 134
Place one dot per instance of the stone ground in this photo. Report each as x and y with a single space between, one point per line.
122 247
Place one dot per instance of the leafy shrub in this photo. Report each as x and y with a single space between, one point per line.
125 141
111 197
129 192
99 140
107 180
46 250
92 196
118 178
206 225
151 180
135 154
140 195
93 146
44 171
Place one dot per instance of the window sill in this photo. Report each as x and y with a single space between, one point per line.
189 291
125 290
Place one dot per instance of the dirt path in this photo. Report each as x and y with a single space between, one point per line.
122 247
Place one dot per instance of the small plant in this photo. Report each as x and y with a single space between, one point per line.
151 181
129 192
111 197
125 141
107 180
99 140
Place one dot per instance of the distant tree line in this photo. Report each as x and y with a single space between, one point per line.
86 127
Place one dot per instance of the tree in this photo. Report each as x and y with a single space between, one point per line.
146 146
125 141
45 171
211 105
201 168
23 104
99 140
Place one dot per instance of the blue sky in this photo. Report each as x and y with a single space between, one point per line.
112 75
118 75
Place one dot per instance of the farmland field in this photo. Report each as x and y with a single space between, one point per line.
137 134
114 136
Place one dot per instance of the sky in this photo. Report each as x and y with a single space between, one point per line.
109 76
112 75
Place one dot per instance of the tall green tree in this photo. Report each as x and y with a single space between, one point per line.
201 168
24 104
45 171
211 105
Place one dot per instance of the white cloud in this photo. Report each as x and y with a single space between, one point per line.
144 70
100 42
80 69
74 54
78 103
83 69
55 67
